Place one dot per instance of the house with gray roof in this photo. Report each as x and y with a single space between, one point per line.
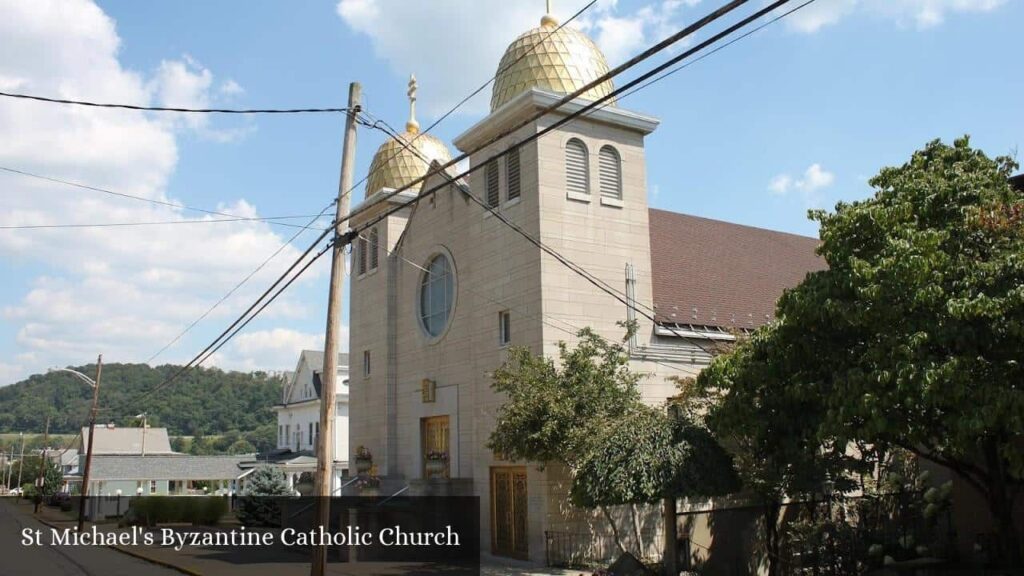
168 474
111 439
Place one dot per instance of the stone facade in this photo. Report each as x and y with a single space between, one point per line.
498 270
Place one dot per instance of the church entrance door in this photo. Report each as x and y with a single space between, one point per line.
436 457
509 512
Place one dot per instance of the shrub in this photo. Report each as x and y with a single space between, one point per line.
196 510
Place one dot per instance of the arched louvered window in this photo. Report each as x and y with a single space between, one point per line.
512 173
610 173
577 167
361 255
373 247
491 175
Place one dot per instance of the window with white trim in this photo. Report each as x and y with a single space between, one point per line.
504 328
491 176
577 167
512 174
609 166
373 247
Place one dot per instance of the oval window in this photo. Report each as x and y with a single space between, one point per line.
436 294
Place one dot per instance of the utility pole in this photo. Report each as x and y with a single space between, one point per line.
92 437
21 459
41 478
144 416
325 447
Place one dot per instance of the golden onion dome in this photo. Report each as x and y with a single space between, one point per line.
560 60
395 164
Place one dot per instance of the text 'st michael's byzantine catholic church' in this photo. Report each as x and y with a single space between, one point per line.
442 287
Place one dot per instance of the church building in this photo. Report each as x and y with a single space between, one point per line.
441 288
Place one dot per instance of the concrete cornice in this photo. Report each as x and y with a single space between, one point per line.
535 98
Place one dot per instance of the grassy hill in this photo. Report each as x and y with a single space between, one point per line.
201 402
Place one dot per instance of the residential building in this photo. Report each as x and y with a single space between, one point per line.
440 288
298 420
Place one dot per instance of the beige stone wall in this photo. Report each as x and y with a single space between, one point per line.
496 269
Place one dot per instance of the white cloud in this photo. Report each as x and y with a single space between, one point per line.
121 291
274 349
781 184
185 83
809 186
231 88
400 31
920 13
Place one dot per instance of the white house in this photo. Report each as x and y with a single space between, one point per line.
298 418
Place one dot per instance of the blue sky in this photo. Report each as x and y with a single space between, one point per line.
794 117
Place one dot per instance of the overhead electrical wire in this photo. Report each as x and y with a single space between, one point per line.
405 146
643 309
267 219
347 237
143 198
235 287
170 109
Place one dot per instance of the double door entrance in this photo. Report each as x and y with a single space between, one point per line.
509 505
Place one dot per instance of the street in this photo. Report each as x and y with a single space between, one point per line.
18 560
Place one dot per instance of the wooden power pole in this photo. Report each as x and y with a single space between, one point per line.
329 377
92 437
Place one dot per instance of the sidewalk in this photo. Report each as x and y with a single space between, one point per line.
278 561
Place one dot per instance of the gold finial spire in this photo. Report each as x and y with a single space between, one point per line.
548 19
412 126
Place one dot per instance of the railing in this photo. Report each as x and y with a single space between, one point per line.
580 550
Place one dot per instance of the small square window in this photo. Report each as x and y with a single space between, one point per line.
366 363
504 328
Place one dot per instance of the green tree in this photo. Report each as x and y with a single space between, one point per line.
913 335
585 412
263 438
771 425
241 446
258 505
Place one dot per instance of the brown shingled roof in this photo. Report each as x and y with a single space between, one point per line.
731 274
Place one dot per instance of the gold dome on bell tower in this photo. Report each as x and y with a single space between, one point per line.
396 164
560 60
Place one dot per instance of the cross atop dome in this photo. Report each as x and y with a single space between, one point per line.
548 20
412 126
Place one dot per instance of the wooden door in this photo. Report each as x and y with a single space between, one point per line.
434 434
509 506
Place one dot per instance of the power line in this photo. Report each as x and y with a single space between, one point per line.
500 70
597 282
139 198
349 235
664 44
406 145
236 287
170 109
268 219
237 325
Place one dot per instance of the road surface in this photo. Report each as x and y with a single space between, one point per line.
45 560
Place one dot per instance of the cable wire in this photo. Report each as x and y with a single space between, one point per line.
597 282
348 236
170 109
268 219
139 198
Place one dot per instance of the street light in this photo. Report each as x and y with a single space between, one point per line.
95 385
